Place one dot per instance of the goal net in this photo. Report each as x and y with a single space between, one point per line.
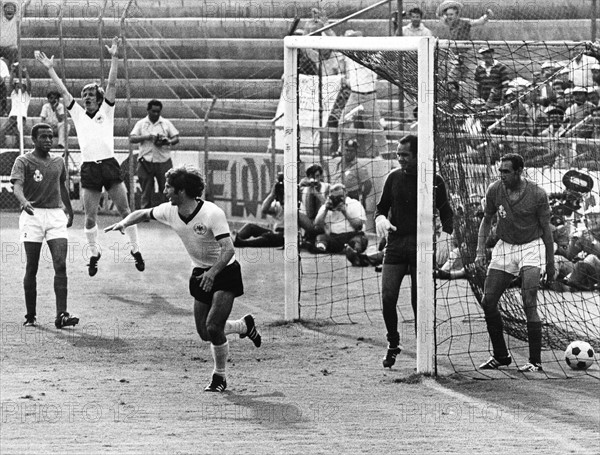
348 102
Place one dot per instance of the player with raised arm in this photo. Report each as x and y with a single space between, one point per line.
95 125
216 277
525 245
39 181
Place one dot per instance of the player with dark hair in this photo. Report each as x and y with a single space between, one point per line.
95 125
525 245
216 278
39 186
396 220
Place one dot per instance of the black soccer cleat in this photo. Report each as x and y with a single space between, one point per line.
252 333
65 320
494 363
30 321
390 358
139 261
217 384
93 265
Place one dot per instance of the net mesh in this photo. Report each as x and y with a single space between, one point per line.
480 115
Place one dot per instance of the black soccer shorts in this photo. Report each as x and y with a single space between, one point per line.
229 280
98 174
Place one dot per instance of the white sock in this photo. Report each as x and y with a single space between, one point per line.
92 236
236 326
132 234
220 354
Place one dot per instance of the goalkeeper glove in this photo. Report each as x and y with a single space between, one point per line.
383 226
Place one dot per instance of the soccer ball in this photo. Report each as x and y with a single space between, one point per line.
579 355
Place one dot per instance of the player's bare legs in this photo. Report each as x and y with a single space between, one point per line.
32 252
529 289
496 282
58 250
391 280
118 194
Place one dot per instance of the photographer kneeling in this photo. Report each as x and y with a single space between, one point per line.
342 220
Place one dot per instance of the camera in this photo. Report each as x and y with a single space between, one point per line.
564 203
161 140
279 188
334 201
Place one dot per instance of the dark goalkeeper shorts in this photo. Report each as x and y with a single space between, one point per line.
228 280
98 174
401 249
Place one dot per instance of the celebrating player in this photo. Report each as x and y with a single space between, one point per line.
216 278
95 131
39 185
524 247
396 220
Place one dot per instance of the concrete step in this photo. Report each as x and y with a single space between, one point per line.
248 9
277 28
89 68
166 48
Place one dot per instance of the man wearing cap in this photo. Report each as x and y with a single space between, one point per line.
580 108
491 77
362 83
459 28
555 117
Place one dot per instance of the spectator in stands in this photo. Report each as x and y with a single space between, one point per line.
580 70
588 128
580 108
53 113
453 96
517 121
586 273
354 176
155 134
305 64
594 95
595 69
313 194
361 108
8 29
459 29
342 220
491 77
556 127
252 235
416 27
558 97
4 80
20 97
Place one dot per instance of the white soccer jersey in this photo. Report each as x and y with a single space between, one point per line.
200 233
96 135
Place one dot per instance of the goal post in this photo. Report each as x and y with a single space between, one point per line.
424 46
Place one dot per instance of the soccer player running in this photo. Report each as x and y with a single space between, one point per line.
525 246
39 185
216 278
95 125
396 220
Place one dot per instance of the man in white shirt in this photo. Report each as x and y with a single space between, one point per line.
361 108
216 277
4 78
154 134
342 220
20 97
416 27
8 29
53 113
95 131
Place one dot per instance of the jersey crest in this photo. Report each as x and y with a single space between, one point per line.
37 176
100 119
200 229
501 211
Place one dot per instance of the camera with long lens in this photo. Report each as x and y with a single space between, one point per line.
564 203
334 201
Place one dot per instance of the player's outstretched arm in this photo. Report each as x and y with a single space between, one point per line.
133 218
48 63
111 84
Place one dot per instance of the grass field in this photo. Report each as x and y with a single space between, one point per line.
129 378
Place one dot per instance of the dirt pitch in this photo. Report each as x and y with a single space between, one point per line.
129 378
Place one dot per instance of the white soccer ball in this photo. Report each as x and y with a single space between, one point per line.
579 355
